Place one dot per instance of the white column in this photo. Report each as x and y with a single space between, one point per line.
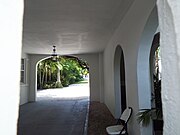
169 21
11 14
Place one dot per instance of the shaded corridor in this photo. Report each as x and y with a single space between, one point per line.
54 115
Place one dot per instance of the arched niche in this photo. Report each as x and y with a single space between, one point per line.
119 81
143 66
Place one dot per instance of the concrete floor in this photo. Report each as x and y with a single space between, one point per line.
55 115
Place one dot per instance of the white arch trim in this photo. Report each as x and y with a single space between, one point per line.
143 67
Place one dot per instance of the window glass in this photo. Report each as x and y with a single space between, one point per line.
23 71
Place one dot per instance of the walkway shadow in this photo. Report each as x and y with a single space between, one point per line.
54 113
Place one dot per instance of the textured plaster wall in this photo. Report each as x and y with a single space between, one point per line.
128 35
96 69
169 20
11 14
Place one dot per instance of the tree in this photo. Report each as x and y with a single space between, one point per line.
64 71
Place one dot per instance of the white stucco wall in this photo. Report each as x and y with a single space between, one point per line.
11 14
96 69
128 35
101 77
24 94
33 59
143 66
169 20
24 87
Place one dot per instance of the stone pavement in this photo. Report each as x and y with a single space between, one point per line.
64 112
55 113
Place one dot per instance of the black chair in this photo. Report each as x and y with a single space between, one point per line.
121 127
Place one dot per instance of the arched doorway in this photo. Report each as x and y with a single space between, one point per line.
92 60
123 84
68 74
155 72
119 82
143 67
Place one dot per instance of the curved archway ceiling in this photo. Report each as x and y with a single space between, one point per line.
74 26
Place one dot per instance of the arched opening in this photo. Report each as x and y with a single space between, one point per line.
154 47
155 72
67 77
123 84
143 68
119 82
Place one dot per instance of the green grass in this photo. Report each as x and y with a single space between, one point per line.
82 82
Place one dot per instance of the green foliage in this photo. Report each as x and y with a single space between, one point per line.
72 71
68 69
145 115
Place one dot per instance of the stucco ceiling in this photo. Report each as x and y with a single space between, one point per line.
74 26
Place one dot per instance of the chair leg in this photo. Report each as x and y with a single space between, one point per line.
124 134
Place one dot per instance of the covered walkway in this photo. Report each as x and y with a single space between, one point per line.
56 112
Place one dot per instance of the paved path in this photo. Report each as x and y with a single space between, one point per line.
56 112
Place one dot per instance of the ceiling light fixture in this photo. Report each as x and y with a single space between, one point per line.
54 54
